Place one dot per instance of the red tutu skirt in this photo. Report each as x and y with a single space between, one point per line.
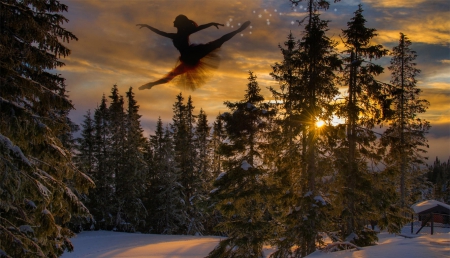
197 74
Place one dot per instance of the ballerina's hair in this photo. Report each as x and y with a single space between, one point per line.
185 22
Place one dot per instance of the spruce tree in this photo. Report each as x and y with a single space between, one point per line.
101 198
285 148
156 173
202 144
67 132
195 189
217 158
185 158
308 83
84 155
85 145
135 167
362 110
405 135
117 157
218 136
203 175
171 211
439 176
37 201
242 188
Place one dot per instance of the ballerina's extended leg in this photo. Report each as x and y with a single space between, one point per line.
180 69
228 36
213 45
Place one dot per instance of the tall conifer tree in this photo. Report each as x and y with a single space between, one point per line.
218 136
135 167
35 166
84 155
172 207
185 159
439 176
117 159
154 183
242 187
202 175
406 133
101 198
307 81
85 158
217 140
362 110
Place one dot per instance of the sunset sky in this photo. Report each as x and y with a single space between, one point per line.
112 50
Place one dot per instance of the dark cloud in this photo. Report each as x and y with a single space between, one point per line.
438 149
440 130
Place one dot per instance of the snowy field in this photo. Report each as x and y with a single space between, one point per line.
115 244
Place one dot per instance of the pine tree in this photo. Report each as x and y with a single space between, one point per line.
101 198
85 147
242 189
135 167
203 175
116 150
67 132
170 213
185 158
285 148
202 143
93 157
362 110
218 136
36 200
308 87
439 175
195 189
156 174
156 144
84 155
117 159
406 133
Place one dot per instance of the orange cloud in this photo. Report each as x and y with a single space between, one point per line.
394 3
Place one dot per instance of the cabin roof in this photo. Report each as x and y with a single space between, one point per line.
430 206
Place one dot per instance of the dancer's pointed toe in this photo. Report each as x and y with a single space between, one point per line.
243 26
147 86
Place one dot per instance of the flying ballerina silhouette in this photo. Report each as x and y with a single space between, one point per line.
195 59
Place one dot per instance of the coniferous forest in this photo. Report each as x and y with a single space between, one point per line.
273 169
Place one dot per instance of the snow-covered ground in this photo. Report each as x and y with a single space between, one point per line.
115 244
422 245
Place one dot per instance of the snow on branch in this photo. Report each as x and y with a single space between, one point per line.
85 177
22 109
73 198
220 176
339 246
45 176
320 199
17 152
214 190
46 193
245 165
57 148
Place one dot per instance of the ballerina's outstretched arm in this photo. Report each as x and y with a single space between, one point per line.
162 33
204 26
